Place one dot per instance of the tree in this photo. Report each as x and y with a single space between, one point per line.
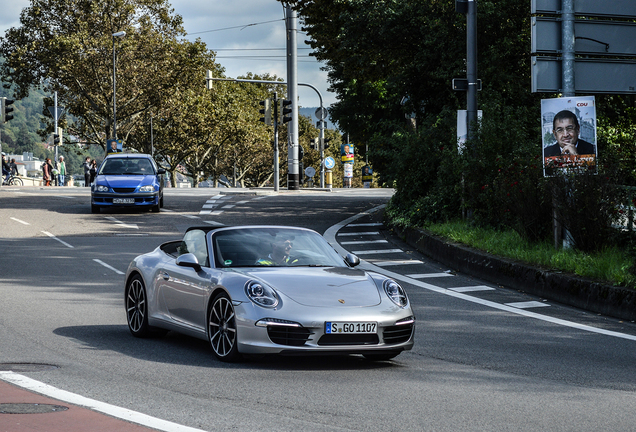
67 46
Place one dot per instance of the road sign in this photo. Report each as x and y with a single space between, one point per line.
56 115
310 171
597 8
330 162
618 76
321 113
593 37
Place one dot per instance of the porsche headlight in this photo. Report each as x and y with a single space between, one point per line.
395 292
261 294
101 188
149 188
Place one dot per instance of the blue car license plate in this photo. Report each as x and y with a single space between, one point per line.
123 200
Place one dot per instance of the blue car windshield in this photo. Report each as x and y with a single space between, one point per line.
131 166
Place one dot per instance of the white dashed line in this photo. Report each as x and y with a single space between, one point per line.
122 224
209 206
108 266
366 224
228 206
363 242
216 212
527 305
472 288
377 251
395 263
190 216
429 275
214 223
21 221
359 233
55 238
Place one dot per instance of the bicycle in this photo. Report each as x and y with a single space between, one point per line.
13 181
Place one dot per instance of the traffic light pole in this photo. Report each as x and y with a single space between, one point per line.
209 78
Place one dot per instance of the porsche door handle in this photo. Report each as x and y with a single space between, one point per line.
165 276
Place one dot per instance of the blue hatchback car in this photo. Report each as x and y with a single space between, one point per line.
128 180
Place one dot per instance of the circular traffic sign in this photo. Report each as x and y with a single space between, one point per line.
330 162
310 171
321 113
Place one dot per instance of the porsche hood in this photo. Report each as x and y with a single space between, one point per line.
321 286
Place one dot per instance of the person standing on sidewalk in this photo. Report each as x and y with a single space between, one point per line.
87 171
47 172
62 171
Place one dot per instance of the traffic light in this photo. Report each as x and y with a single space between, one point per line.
57 136
6 109
314 143
266 111
325 143
286 110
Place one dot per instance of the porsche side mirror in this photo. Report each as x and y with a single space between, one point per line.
352 260
161 171
188 260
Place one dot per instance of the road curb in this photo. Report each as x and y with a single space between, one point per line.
618 302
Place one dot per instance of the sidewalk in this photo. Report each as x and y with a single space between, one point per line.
23 411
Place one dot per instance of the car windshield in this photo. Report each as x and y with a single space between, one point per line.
273 247
129 166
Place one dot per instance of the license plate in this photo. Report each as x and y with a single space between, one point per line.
343 327
123 200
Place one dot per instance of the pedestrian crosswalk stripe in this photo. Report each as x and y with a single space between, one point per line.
378 251
472 288
429 275
366 224
527 305
359 233
395 263
363 242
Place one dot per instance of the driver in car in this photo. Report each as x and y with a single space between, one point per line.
279 255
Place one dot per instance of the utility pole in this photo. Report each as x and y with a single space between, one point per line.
293 176
471 66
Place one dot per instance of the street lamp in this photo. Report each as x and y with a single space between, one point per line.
115 35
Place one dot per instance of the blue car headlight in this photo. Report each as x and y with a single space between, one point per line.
261 294
395 292
101 188
148 188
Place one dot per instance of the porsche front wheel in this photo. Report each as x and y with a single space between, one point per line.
222 328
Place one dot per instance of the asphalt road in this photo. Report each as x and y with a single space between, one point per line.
485 357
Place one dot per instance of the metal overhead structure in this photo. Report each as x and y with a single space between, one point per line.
609 65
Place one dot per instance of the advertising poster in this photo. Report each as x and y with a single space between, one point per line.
115 146
346 153
348 170
568 128
367 176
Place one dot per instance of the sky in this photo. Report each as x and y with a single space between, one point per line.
247 35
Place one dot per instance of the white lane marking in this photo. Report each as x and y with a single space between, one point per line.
242 202
330 235
228 206
216 197
214 223
528 304
364 242
428 275
260 197
108 409
359 233
108 266
55 238
21 221
216 212
203 212
377 251
209 206
166 210
121 224
365 224
190 216
472 288
394 263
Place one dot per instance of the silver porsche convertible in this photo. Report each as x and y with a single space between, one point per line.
267 290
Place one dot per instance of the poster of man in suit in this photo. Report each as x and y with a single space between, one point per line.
568 133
